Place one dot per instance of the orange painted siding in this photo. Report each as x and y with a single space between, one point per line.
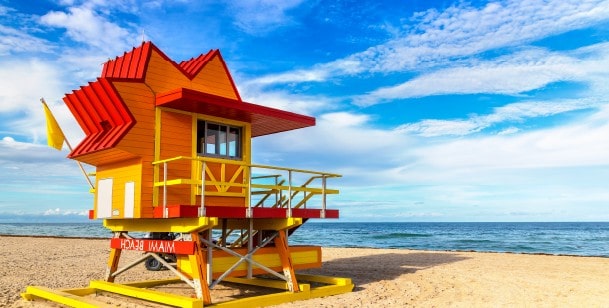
140 139
162 75
140 101
176 140
214 79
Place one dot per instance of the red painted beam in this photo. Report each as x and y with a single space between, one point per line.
158 246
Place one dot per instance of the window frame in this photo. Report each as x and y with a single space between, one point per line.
202 145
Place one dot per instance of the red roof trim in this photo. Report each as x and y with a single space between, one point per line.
264 120
103 115
230 77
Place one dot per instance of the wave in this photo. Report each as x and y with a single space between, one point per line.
399 235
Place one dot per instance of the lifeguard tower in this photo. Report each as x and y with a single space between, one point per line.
171 144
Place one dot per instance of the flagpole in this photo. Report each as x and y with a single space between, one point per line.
70 148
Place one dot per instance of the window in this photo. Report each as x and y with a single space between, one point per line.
218 140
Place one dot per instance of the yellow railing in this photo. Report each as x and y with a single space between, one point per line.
271 181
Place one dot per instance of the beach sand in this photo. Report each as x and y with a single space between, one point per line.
382 277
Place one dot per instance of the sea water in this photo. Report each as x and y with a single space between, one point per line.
564 238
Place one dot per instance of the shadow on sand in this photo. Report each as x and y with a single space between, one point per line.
385 266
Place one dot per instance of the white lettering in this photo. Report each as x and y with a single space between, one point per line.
132 244
161 246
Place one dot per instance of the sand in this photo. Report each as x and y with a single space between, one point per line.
382 277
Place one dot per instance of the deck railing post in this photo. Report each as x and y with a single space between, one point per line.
280 202
250 248
323 197
248 213
165 190
202 208
304 196
289 193
209 269
277 190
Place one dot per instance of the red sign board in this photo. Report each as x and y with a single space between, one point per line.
159 246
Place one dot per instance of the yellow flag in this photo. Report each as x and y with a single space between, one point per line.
55 137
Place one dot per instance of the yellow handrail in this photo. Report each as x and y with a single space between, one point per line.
249 189
241 163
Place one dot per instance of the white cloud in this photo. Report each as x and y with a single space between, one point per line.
61 212
509 131
24 82
546 172
104 5
85 25
10 142
341 142
260 17
294 76
552 172
584 143
281 99
344 119
16 152
509 113
14 41
513 74
460 31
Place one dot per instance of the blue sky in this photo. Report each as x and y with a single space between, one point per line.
431 110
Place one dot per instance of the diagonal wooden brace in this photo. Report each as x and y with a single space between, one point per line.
281 243
198 263
115 256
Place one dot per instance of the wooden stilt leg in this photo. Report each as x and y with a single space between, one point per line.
198 263
281 243
115 256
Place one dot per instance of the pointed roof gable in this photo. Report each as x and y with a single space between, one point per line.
192 67
132 65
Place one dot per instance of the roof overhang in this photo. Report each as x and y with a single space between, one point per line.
264 120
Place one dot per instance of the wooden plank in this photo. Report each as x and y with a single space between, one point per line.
149 295
62 297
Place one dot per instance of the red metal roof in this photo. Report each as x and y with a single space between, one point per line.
101 113
131 65
264 120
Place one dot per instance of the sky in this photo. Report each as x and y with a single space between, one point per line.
431 110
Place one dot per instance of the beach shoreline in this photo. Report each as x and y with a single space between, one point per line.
382 277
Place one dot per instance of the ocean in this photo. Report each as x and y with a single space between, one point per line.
558 238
